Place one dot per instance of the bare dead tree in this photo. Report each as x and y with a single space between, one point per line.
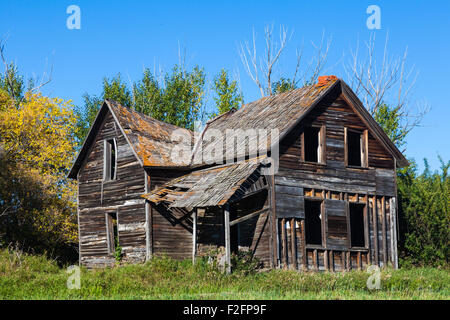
260 68
386 81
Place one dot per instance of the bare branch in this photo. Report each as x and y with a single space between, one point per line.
389 81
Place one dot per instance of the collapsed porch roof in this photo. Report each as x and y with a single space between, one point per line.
214 186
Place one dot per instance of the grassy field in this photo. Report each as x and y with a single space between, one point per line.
35 277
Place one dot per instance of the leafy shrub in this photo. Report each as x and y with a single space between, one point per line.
424 216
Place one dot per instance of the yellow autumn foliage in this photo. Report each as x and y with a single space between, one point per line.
37 137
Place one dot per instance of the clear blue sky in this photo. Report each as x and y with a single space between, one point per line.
125 36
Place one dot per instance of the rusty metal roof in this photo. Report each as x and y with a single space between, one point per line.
208 187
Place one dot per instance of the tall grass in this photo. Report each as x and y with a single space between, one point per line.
25 276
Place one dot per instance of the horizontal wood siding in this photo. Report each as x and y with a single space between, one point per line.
171 229
122 196
333 181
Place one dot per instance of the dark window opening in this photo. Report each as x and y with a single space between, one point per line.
111 228
354 148
357 225
313 222
312 149
110 157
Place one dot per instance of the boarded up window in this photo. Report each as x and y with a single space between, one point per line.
357 228
289 201
313 222
336 224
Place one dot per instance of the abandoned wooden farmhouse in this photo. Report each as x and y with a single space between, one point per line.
330 205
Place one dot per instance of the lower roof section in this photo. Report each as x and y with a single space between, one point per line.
214 186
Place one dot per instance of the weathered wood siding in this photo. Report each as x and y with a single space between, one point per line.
171 230
122 196
336 185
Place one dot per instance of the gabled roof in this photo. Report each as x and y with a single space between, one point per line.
208 187
151 142
279 112
283 112
150 139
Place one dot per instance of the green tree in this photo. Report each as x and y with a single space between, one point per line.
114 89
283 85
149 96
424 216
389 119
12 83
183 97
227 95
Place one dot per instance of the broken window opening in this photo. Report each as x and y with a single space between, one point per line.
112 231
313 222
109 160
356 148
357 228
312 144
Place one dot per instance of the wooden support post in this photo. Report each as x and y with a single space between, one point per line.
375 227
331 260
304 254
343 266
325 259
358 260
316 260
293 246
148 221
348 264
284 250
194 235
367 227
226 215
273 221
394 226
383 229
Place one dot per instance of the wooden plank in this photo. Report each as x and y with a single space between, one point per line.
273 221
194 235
358 260
249 216
283 244
383 229
391 223
148 222
348 261
293 246
331 260
226 214
315 260
367 227
375 228
394 215
303 243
